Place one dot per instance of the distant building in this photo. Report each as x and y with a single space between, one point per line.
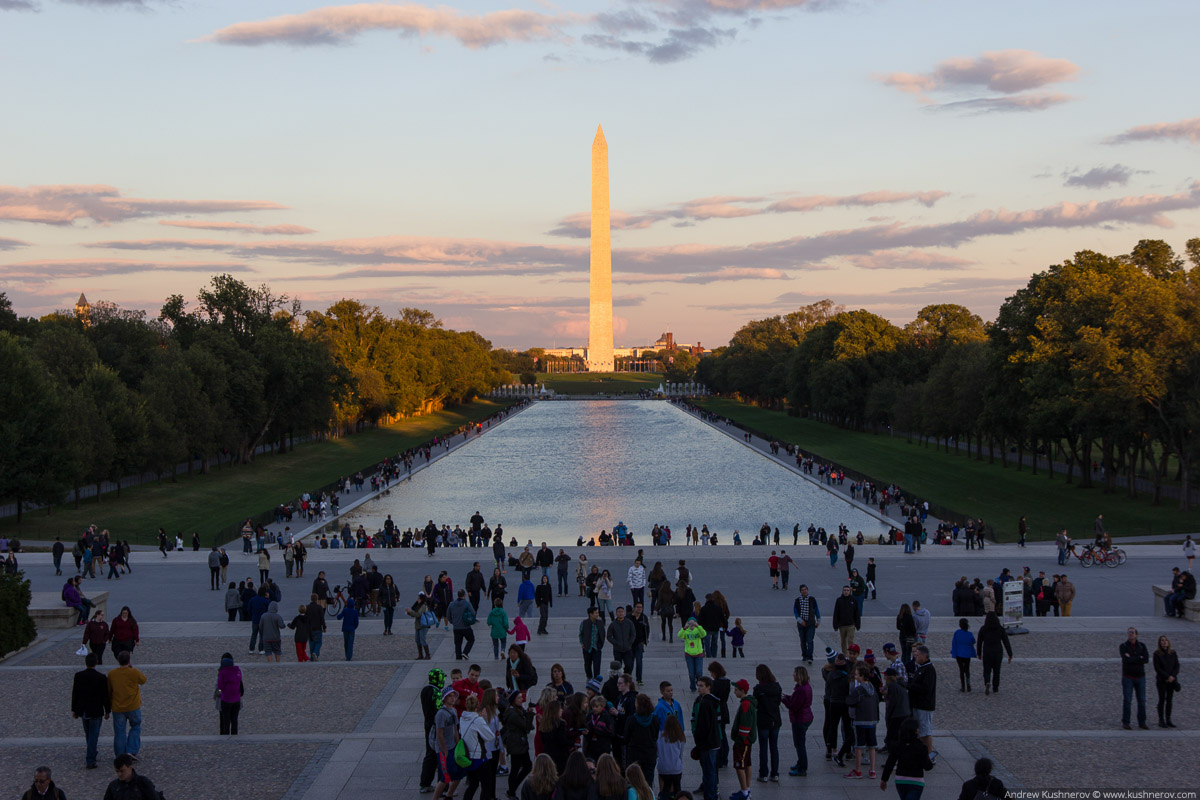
665 342
83 309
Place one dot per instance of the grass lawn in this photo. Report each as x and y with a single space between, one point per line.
223 498
968 486
600 382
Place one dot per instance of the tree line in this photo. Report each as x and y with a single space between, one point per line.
95 396
1095 360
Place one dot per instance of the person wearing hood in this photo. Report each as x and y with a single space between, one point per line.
640 737
667 705
921 618
271 625
349 618
475 731
230 689
233 601
744 731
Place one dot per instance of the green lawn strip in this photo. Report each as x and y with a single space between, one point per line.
214 504
965 485
599 382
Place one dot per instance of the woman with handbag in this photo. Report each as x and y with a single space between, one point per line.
1166 679
95 636
423 619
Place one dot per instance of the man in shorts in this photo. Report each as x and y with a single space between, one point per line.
442 738
745 730
922 696
864 708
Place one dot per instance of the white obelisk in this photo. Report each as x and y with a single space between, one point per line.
600 330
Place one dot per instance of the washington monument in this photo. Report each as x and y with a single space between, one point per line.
600 329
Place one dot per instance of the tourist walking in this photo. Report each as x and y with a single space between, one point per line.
389 598
808 619
95 635
591 641
665 608
90 703
270 626
991 645
1189 552
604 591
214 569
745 732
301 638
769 695
1064 591
1166 679
636 578
693 650
497 620
846 618
128 783
543 597
962 650
1134 658
525 596
228 694
909 758
442 738
622 635
864 712
922 695
233 601
349 618
315 613
563 563
123 633
516 724
43 787
125 699
921 620
264 565
705 734
462 619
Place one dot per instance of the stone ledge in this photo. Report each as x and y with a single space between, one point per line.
50 612
1191 608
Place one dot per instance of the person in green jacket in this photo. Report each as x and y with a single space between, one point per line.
693 649
497 620
744 732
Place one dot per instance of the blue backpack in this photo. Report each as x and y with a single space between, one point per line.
428 619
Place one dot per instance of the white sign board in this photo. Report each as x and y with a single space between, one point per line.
1014 603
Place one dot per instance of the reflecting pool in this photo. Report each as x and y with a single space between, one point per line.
565 469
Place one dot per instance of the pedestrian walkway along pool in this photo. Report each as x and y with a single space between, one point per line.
562 470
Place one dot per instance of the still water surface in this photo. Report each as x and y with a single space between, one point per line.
561 470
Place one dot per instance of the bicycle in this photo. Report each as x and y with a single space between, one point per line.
339 600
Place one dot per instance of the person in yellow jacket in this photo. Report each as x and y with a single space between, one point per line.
125 695
693 649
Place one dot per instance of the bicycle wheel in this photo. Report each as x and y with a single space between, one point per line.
1112 560
1087 559
1121 557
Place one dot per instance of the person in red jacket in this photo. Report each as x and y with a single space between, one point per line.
123 632
773 565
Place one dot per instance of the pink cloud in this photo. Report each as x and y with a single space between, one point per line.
342 24
46 271
1185 129
62 205
1008 72
402 256
907 259
240 227
733 207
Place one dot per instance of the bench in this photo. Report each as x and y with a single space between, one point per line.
50 612
1191 608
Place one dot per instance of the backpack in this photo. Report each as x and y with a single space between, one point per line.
427 619
468 615
987 794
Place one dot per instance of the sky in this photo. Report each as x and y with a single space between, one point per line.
764 154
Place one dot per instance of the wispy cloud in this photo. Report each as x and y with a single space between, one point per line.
908 259
40 272
1186 129
732 207
343 24
62 205
1099 177
676 45
18 5
11 244
1008 72
238 227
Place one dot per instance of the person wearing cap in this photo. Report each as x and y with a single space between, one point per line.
895 662
693 649
846 618
442 738
744 731
808 619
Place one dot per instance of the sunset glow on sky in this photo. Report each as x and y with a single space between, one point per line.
764 154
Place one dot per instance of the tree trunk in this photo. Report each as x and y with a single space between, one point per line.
1185 499
19 509
1004 452
98 492
1020 455
1049 459
991 449
1132 476
76 494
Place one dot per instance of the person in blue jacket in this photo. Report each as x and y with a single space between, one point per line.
257 606
349 618
962 648
525 594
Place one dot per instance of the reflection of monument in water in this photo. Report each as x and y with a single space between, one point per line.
600 328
